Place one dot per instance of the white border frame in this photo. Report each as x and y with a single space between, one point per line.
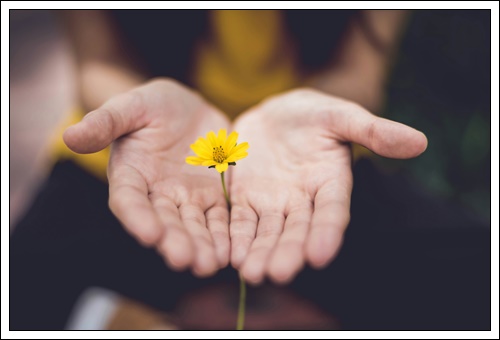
7 5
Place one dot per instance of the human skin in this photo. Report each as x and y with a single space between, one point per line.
291 196
164 203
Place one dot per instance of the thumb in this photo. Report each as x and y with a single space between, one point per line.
120 115
384 137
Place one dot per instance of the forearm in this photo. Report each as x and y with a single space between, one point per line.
360 68
104 68
100 81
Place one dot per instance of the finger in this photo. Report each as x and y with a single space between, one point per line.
175 245
289 255
218 225
193 218
384 137
242 230
269 229
120 115
329 221
128 200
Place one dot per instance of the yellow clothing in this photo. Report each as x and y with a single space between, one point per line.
95 163
249 58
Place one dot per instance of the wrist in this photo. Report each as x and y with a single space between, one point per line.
354 85
99 81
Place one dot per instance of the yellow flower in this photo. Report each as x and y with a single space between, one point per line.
218 151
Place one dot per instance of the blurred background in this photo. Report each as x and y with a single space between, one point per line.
439 84
42 91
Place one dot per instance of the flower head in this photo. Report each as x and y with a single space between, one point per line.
218 151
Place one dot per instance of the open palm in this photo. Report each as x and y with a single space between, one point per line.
163 202
291 197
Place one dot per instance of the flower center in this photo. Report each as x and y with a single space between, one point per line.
219 154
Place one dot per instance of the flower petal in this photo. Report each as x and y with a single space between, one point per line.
201 151
212 138
194 160
240 147
221 137
221 167
204 143
237 156
209 162
231 142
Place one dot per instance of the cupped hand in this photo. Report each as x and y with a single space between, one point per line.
159 199
291 196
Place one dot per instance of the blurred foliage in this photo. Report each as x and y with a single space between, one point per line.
441 85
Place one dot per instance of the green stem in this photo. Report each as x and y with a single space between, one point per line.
225 191
241 308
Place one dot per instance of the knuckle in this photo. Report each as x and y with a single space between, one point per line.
219 219
195 218
135 101
221 236
371 131
242 238
204 240
105 120
239 215
255 250
269 230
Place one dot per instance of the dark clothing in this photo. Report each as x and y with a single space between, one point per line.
163 40
408 262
